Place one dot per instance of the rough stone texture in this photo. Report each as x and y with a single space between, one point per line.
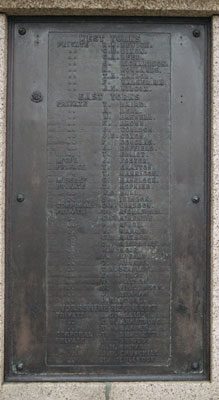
3 80
121 391
113 7
164 391
53 391
215 202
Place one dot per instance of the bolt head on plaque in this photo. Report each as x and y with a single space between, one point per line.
195 199
36 96
196 33
20 366
195 365
22 31
20 197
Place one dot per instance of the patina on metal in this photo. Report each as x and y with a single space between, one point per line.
107 257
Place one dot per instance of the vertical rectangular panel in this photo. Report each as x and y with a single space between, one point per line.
107 265
108 231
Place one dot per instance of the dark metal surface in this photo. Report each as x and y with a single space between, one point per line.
107 263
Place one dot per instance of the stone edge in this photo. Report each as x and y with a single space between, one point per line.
187 8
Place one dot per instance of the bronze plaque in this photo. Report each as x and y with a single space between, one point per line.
107 255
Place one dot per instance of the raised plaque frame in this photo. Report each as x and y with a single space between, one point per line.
201 227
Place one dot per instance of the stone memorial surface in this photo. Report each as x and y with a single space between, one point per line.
107 268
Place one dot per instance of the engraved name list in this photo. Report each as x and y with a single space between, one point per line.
108 199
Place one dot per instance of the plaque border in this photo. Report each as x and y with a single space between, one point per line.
207 181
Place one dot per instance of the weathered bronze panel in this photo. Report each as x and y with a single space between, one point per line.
107 200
